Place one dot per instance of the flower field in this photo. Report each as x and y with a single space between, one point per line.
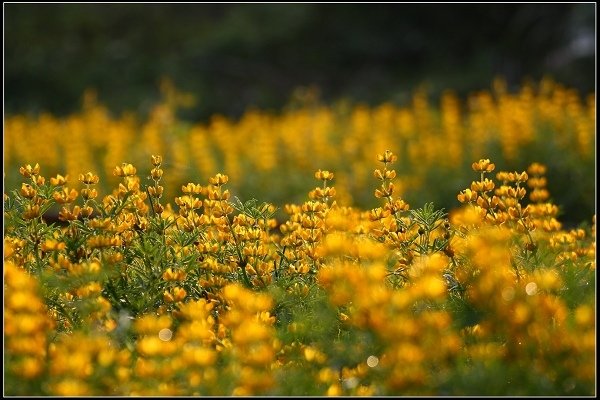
272 155
326 250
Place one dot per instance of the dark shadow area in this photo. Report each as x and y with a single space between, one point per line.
232 56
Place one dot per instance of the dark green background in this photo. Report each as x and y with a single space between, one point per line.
232 56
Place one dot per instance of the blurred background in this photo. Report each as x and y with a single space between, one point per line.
300 87
233 56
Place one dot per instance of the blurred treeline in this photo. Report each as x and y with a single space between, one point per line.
236 56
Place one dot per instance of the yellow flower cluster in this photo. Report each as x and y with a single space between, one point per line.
526 310
26 326
75 362
411 343
209 295
253 345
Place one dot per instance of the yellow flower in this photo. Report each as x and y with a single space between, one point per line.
168 297
384 192
385 174
378 213
483 165
387 157
170 275
39 180
151 324
124 170
28 171
334 390
324 175
156 192
216 195
30 367
397 206
89 178
66 215
313 206
537 169
539 195
313 354
88 194
86 211
179 293
65 195
156 173
71 387
31 211
193 188
537 182
467 196
482 186
325 192
156 160
199 356
51 244
218 180
584 315
104 241
153 346
28 191
59 180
